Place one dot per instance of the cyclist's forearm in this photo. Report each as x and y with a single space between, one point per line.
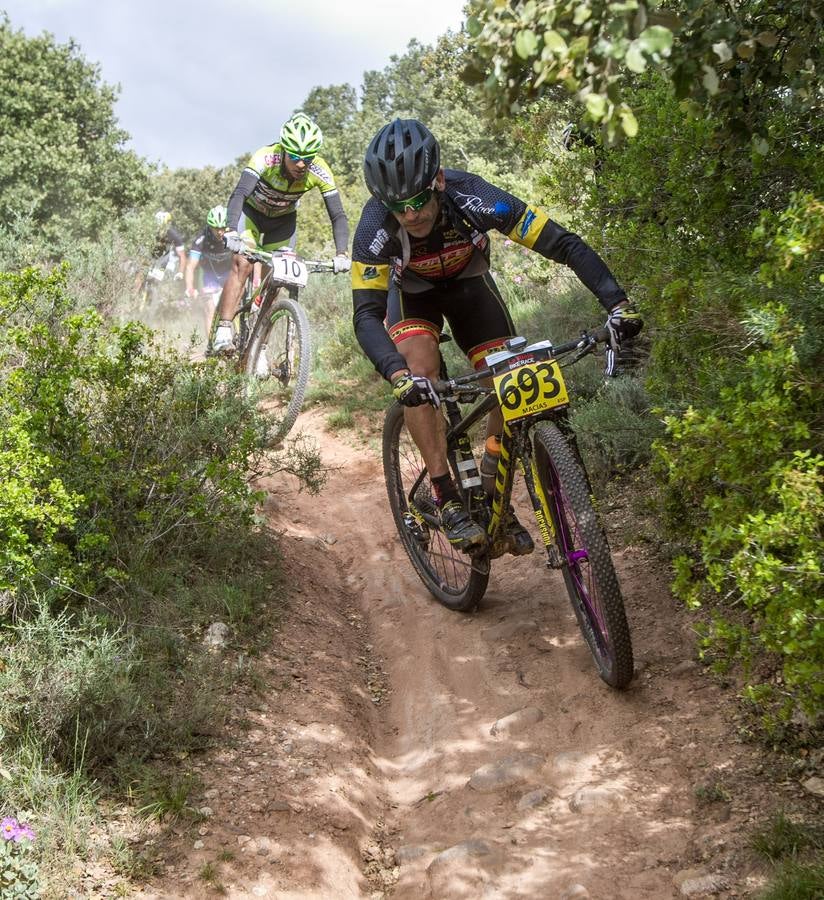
560 245
340 223
243 189
375 342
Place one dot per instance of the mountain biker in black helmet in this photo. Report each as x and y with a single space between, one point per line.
421 256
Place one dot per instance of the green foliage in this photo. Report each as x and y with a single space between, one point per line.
732 60
782 837
63 165
18 870
747 464
796 881
188 194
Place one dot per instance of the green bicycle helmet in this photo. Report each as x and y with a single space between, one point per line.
301 136
216 217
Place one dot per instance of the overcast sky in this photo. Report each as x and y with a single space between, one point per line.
204 81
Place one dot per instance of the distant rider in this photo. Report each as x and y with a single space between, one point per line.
209 254
263 209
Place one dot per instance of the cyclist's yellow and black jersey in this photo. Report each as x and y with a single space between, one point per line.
264 192
457 248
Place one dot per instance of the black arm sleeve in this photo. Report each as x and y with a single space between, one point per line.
562 246
340 224
370 311
248 180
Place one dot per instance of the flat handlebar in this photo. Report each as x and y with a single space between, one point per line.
586 343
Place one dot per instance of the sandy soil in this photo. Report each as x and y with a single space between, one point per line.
370 764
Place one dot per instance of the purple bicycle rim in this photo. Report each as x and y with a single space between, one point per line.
573 557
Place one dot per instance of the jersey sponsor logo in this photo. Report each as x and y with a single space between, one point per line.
449 262
526 223
370 277
379 241
271 160
474 203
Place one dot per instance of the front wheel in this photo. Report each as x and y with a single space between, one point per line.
454 578
589 574
279 358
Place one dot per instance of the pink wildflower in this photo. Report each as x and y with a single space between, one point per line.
9 829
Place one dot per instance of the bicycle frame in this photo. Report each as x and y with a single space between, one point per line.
516 449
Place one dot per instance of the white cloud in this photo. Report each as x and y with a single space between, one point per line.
204 81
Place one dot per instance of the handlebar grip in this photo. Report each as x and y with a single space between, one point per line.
601 336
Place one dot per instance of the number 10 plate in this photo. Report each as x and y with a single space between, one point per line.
530 389
288 269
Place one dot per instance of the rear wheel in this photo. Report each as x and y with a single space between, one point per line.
279 358
589 574
454 578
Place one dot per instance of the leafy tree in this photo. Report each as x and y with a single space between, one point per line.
188 194
742 59
62 160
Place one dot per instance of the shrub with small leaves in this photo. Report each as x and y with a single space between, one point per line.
18 870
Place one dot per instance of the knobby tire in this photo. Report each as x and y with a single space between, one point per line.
282 333
450 575
588 570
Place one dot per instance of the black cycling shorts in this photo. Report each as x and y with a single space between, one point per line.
267 232
473 307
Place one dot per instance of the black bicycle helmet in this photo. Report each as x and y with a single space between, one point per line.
402 160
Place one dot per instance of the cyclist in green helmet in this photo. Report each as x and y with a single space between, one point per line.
208 253
263 209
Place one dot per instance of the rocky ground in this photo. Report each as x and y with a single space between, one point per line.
396 749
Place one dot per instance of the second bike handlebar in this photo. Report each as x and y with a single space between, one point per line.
265 257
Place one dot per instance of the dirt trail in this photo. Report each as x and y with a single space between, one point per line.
369 765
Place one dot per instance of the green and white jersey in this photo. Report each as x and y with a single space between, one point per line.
274 195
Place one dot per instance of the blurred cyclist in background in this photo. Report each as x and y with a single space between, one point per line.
168 259
208 253
263 209
169 240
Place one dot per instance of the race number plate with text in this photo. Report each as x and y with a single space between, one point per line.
288 269
529 389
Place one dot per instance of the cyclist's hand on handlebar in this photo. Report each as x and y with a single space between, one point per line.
414 390
622 323
191 293
341 263
234 242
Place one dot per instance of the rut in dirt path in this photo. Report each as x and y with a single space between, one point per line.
510 769
397 749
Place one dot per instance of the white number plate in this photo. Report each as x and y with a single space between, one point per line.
288 269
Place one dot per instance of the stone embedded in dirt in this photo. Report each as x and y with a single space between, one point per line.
814 786
594 800
694 883
575 892
472 848
198 845
534 798
688 665
507 630
505 772
456 873
408 853
217 635
518 721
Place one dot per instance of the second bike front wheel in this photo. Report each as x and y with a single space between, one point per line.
280 360
453 577
589 574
